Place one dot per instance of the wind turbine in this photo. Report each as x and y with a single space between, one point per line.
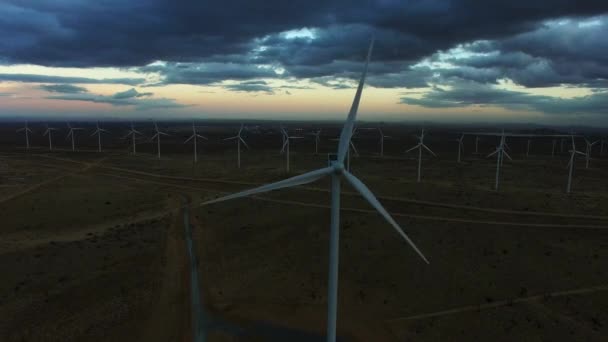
500 153
132 133
98 131
382 136
476 144
421 146
48 132
27 132
602 143
239 140
71 135
351 146
286 145
460 146
336 171
317 135
573 153
157 137
588 148
194 137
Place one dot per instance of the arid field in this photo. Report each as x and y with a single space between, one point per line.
94 246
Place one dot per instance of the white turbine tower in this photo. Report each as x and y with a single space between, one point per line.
500 153
421 146
239 140
573 153
194 137
157 137
27 132
382 137
460 146
476 144
71 131
588 147
286 139
336 171
98 132
132 133
48 132
602 143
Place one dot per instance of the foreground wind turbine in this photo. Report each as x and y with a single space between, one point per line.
421 146
71 135
98 132
132 133
588 148
239 140
460 146
286 139
27 132
157 137
500 153
194 137
48 132
336 171
573 153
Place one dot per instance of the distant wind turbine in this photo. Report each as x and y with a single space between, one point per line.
98 132
500 153
132 133
421 146
286 139
71 131
588 147
336 171
25 129
239 139
49 132
157 137
573 153
194 138
460 146
317 135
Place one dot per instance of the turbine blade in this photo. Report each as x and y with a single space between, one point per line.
493 153
413 148
231 138
428 149
369 196
508 156
347 130
284 145
306 178
354 148
202 136
191 137
244 143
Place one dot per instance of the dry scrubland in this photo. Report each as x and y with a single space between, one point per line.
92 246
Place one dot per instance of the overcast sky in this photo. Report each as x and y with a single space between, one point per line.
437 60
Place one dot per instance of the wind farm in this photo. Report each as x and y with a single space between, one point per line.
336 172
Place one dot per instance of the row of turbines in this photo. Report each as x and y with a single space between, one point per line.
500 152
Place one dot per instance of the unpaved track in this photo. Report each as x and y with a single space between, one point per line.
501 303
35 187
348 193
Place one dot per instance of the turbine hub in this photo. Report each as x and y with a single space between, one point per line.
338 167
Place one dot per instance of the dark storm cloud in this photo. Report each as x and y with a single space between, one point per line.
470 93
135 33
131 97
251 87
558 53
31 78
63 88
207 73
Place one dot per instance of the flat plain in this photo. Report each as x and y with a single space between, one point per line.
92 245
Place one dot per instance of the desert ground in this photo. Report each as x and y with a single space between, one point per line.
102 246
